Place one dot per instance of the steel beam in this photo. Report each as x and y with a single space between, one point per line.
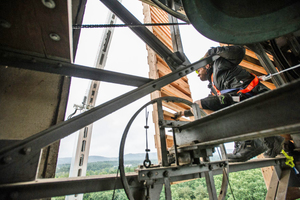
266 63
272 113
21 152
149 38
42 188
33 62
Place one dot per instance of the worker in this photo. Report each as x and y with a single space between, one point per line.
229 84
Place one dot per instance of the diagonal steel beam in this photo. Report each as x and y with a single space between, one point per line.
147 36
272 113
32 62
21 151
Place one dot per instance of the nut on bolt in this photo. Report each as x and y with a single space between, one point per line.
26 150
7 159
166 174
149 174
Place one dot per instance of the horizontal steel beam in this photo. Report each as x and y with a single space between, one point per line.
32 62
43 188
147 36
272 113
21 152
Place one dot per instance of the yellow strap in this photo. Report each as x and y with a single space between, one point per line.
289 159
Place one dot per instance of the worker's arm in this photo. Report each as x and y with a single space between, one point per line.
234 54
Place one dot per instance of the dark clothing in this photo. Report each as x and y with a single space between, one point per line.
227 74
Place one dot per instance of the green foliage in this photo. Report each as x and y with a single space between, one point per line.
246 185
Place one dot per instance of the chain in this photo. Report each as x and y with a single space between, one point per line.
79 26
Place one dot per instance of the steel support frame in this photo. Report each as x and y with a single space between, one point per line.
60 67
272 113
266 63
13 157
43 188
20 153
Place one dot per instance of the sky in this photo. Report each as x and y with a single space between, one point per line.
127 54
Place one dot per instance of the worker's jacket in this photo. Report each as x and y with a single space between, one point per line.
227 74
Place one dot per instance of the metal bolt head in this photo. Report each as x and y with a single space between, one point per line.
26 150
49 3
149 174
4 23
54 36
166 174
7 159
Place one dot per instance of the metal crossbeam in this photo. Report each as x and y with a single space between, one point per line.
64 68
42 188
272 113
22 151
149 38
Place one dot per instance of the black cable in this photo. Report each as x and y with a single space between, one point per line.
113 197
226 176
79 26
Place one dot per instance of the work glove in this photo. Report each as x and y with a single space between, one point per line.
177 115
226 99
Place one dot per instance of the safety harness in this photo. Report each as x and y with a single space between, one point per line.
248 89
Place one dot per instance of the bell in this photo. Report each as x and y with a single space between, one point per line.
243 21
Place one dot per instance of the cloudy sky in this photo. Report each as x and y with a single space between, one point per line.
128 55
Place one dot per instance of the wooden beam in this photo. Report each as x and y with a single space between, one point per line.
179 84
166 40
253 67
271 86
253 55
171 91
166 69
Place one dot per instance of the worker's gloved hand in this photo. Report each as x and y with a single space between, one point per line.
177 115
226 99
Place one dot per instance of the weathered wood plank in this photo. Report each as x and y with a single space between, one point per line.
253 67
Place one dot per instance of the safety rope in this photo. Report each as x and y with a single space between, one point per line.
267 77
79 26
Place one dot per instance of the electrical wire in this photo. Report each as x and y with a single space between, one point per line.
113 196
79 26
226 176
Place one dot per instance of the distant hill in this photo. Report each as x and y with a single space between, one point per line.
131 156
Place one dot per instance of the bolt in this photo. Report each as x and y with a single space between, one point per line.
7 159
130 181
149 174
154 86
54 36
26 150
4 23
59 65
192 68
186 71
210 167
49 3
180 74
166 174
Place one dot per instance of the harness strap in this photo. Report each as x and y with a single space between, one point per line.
248 89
